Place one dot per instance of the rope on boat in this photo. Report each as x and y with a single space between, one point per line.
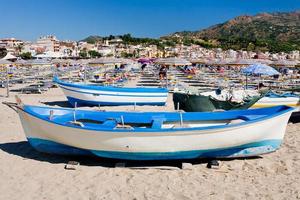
15 106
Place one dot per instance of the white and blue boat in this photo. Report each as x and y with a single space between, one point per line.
93 95
154 135
274 99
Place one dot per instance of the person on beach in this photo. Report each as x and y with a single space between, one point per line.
143 67
162 72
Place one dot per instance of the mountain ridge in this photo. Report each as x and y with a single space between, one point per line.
274 32
279 31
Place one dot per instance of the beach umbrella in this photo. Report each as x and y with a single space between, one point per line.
5 62
39 62
260 69
106 61
110 61
249 61
21 62
225 61
284 63
174 61
9 56
145 60
49 54
126 61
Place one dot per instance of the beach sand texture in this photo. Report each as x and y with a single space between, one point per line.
28 174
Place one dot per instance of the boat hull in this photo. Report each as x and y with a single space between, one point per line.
201 103
246 150
94 99
246 140
271 101
87 95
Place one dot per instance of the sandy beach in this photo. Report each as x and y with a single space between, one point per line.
28 174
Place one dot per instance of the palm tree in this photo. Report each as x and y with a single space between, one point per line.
19 49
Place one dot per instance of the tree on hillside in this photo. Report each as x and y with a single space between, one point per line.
26 55
94 54
83 53
19 48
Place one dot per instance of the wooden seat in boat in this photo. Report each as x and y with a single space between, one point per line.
157 122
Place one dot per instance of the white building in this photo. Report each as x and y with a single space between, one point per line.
231 53
295 55
12 45
30 47
105 50
48 43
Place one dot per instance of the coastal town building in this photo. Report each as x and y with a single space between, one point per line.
12 45
48 43
114 46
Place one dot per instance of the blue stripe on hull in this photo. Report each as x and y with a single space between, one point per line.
101 103
50 147
110 88
247 150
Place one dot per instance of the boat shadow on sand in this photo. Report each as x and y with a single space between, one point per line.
24 150
64 104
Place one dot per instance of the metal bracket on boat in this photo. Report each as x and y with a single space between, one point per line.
99 108
76 123
178 108
123 125
120 126
51 115
74 112
181 119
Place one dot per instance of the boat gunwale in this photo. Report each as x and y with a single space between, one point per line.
111 88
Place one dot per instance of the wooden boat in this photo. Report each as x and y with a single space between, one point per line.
92 95
154 135
201 103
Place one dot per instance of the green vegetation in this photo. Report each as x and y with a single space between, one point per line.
93 39
94 54
274 32
129 40
264 32
127 55
26 55
83 54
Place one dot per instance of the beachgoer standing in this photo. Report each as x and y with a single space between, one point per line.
162 72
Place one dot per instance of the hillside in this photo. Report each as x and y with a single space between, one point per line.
266 32
93 39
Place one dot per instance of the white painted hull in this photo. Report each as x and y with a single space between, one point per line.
268 102
97 142
93 97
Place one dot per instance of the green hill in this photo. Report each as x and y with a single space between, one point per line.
273 32
93 39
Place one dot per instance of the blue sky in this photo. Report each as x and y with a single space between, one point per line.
77 19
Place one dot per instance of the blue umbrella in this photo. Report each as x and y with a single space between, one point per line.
260 69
